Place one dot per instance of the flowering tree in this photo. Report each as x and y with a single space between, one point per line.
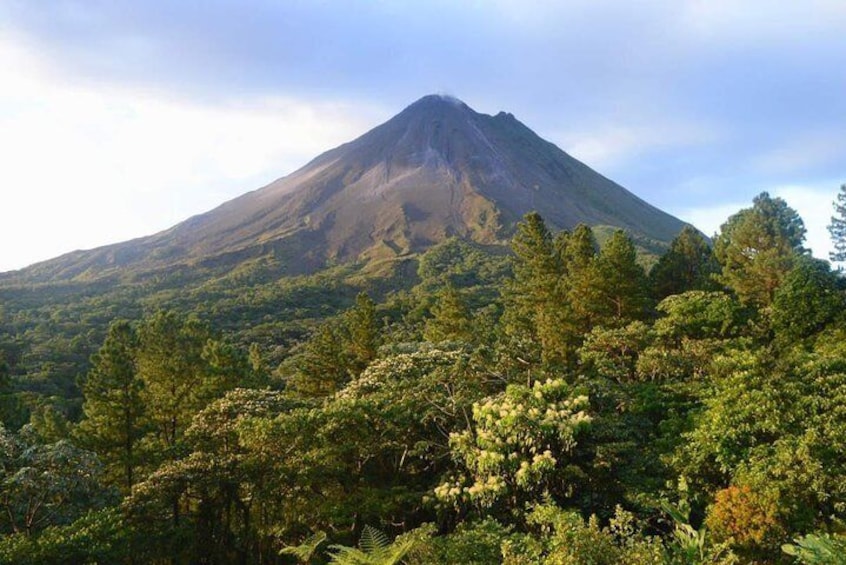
518 448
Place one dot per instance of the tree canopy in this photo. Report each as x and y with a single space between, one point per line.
552 405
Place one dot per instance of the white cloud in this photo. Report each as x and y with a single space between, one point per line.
708 219
802 152
613 144
86 166
762 20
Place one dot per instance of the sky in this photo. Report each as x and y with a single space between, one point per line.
119 119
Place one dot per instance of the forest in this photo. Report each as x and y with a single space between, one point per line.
562 403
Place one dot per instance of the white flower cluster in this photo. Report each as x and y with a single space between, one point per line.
518 439
484 492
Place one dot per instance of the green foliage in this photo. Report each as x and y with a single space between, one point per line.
455 262
374 549
178 377
810 298
450 319
306 549
100 536
113 411
534 310
767 435
694 328
613 353
814 549
566 539
472 543
221 480
757 247
700 315
321 368
689 264
689 545
45 484
620 291
364 337
516 438
837 227
338 351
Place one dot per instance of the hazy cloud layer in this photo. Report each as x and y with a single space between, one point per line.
690 104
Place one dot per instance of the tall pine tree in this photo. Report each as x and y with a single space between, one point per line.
532 288
620 287
113 410
362 333
579 259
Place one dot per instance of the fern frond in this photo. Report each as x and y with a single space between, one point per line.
345 555
373 540
304 551
375 549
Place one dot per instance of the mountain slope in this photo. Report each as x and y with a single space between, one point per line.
437 169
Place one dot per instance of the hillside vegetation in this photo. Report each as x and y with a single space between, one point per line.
556 404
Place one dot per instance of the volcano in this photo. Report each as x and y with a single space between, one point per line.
438 169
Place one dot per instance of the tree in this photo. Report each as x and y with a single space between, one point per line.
688 265
219 484
567 539
450 319
45 484
177 377
809 299
321 368
113 410
338 351
578 250
757 247
362 331
100 536
537 314
837 227
816 549
579 259
619 293
519 447
612 353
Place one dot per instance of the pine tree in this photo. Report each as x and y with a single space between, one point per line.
757 247
450 319
362 330
580 250
580 263
688 265
620 286
113 412
837 227
321 369
539 319
532 289
178 381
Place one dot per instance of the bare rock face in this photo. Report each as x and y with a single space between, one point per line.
437 169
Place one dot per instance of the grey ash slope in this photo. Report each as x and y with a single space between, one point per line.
437 169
